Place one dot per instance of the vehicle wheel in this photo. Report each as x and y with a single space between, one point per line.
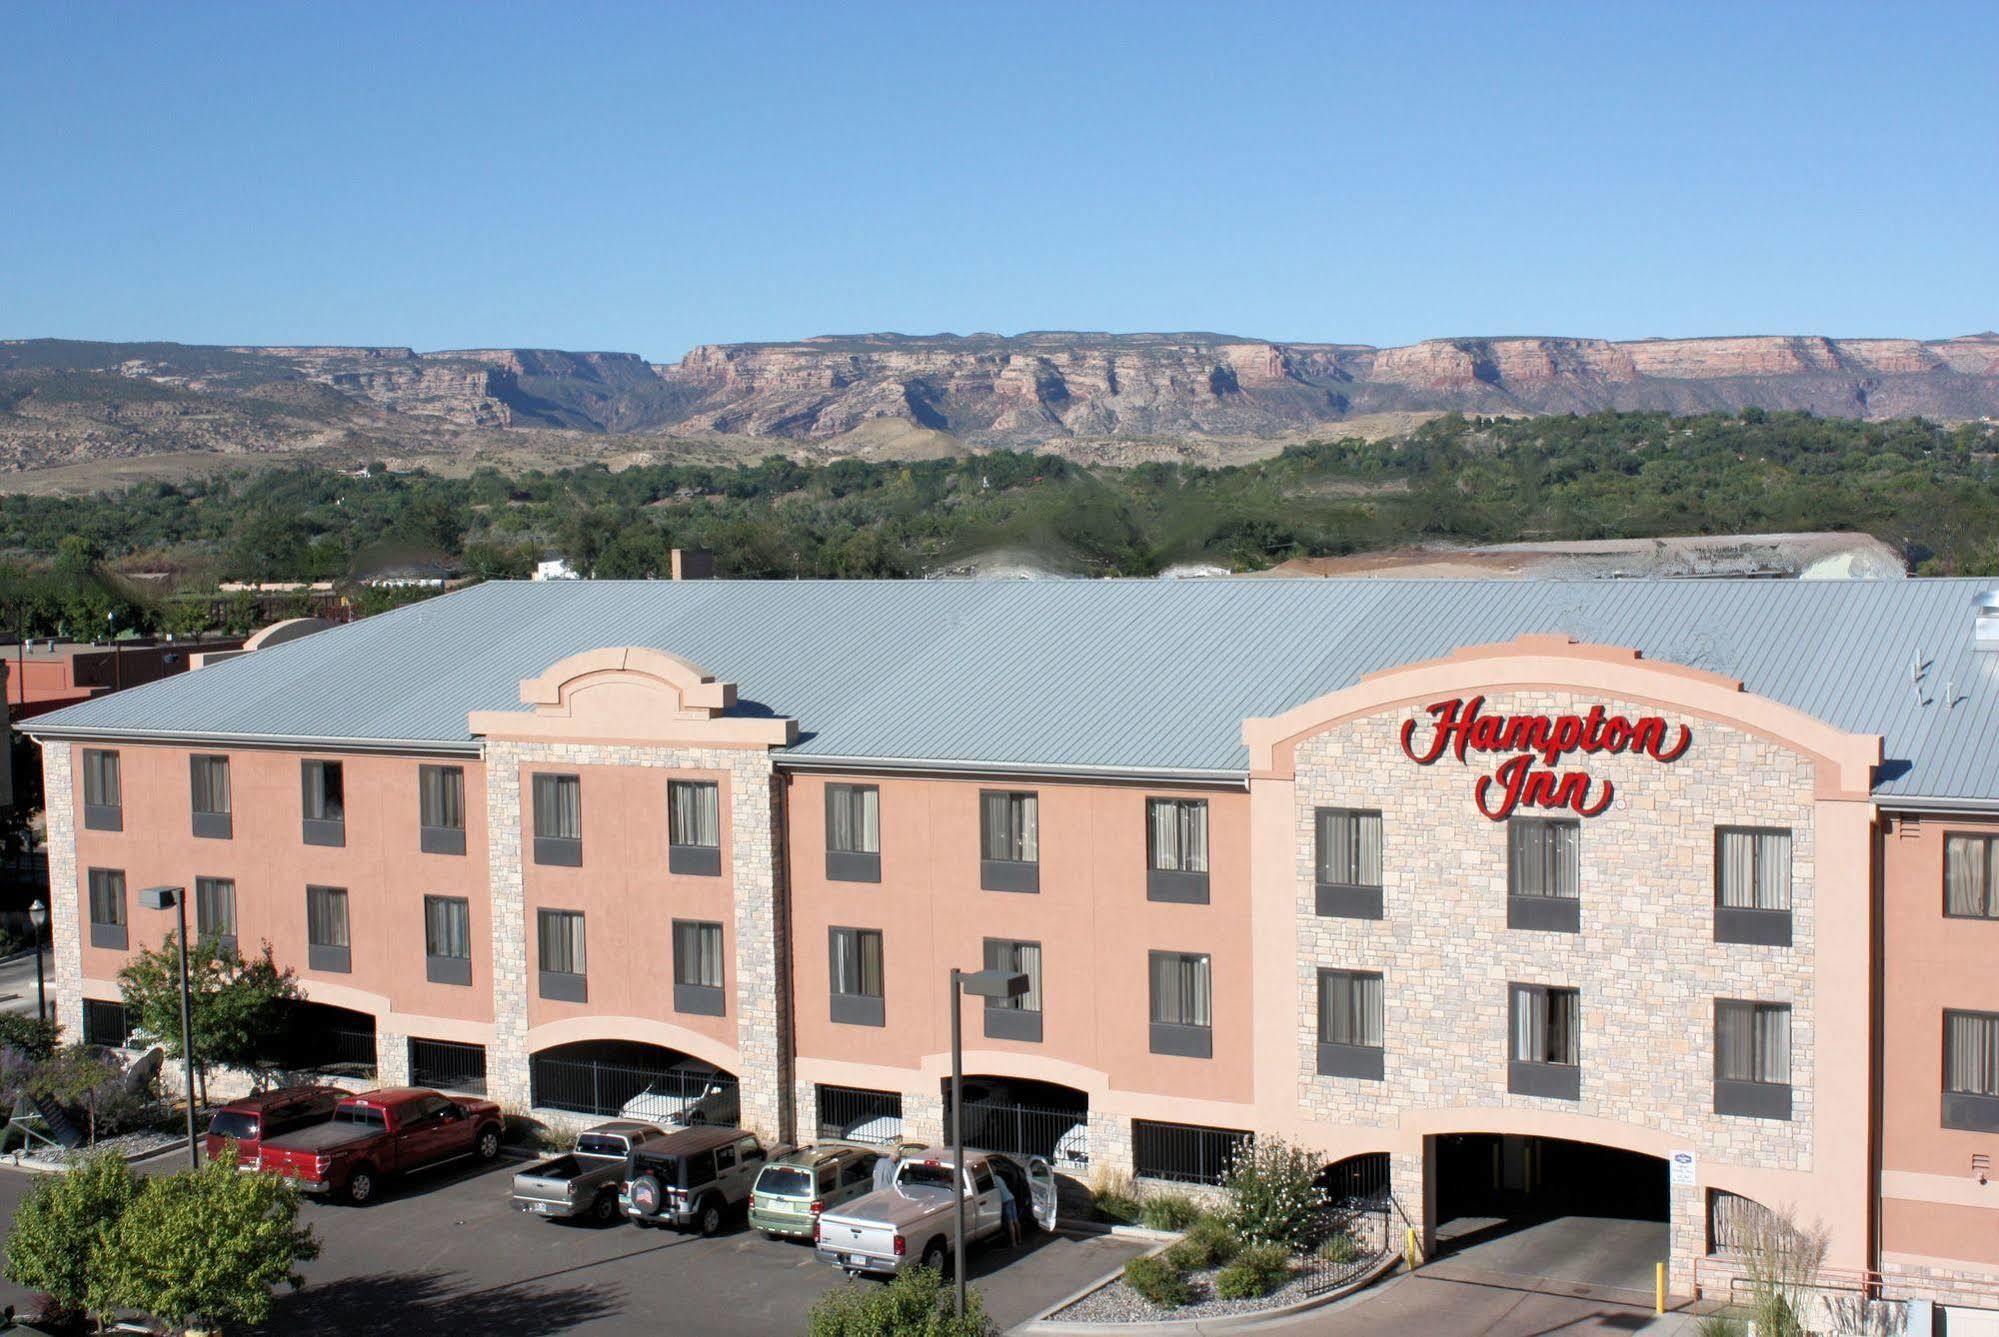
936 1257
711 1218
361 1187
605 1210
489 1144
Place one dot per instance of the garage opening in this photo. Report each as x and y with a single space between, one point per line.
628 1079
327 1041
1549 1208
859 1114
1024 1117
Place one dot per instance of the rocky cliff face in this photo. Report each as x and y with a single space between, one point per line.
61 399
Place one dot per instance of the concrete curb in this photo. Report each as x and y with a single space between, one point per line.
1041 1325
1097 1229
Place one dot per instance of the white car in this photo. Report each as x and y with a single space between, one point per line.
684 1096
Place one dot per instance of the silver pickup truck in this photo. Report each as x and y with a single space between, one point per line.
585 1181
911 1221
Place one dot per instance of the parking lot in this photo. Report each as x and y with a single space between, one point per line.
445 1253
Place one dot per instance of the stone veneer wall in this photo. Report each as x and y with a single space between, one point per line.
762 1007
65 914
1646 961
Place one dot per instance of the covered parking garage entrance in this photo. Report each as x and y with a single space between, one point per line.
1546 1213
1023 1117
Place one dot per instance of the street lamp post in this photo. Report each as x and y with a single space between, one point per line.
38 915
175 898
980 984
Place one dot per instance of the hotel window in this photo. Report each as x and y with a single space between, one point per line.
208 780
697 968
1347 855
1182 1004
1176 837
1545 1045
1752 886
103 795
1009 841
325 800
447 939
1970 887
854 972
107 908
1350 1024
441 809
326 938
215 910
1544 874
558 820
1015 1018
1971 1071
853 833
694 827
1752 1059
563 966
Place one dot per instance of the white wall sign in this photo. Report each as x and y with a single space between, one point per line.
1683 1168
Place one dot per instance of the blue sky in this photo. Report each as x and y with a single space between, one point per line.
646 177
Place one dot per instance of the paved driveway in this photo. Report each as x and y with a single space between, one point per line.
445 1253
1433 1306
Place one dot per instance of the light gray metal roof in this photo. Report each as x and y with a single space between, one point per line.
1146 676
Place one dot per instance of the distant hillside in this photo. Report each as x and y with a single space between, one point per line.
1079 394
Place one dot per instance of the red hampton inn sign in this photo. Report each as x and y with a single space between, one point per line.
1460 727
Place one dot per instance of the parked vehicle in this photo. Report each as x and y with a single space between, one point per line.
688 1095
378 1135
912 1220
267 1114
792 1191
691 1179
586 1180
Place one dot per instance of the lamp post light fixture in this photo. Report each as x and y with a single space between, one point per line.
175 898
979 984
38 915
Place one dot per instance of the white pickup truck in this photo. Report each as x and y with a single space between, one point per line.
912 1219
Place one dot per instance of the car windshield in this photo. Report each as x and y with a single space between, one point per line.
915 1172
360 1114
233 1123
785 1181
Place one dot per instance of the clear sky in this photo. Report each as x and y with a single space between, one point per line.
648 176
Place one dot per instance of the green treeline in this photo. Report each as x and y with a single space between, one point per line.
1927 489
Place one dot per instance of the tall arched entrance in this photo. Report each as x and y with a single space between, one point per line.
1025 1117
1581 1214
628 1079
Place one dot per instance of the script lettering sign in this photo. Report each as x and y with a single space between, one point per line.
1532 776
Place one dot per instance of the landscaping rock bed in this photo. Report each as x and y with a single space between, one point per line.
1119 1303
132 1146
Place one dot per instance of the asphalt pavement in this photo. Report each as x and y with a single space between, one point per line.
17 984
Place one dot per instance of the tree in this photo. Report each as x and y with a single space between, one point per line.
207 1247
237 1005
916 1304
62 1235
1274 1193
86 1076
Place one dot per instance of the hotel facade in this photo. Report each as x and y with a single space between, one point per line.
1511 889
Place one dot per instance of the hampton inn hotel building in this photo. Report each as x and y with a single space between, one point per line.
1683 893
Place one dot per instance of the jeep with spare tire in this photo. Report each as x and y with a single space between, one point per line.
691 1180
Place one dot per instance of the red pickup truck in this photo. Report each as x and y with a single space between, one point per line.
380 1134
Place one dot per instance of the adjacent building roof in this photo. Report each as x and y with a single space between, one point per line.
1149 677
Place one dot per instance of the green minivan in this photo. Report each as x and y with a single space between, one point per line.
791 1191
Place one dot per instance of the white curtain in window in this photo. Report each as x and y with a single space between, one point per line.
442 797
562 942
1179 834
853 819
1971 1053
1021 958
857 962
1755 868
558 807
1968 865
326 916
696 816
107 896
1350 1008
1545 1025
1009 827
697 954
1349 847
1547 858
100 779
211 784
1180 993
214 905
1753 1042
447 927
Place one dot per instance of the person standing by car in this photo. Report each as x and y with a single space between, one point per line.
1009 1212
885 1171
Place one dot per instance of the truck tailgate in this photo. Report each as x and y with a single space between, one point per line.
856 1238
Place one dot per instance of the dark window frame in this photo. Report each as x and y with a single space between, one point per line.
1990 841
1185 886
447 968
565 986
851 865
1542 912
100 814
1334 899
1020 875
322 790
697 997
1177 1037
1748 1097
1014 1018
333 958
211 823
213 886
111 934
690 859
1340 1058
1969 1111
1746 925
554 850
437 837
1546 1078
858 1009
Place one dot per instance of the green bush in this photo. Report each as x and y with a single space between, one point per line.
33 1038
1168 1211
1257 1270
1158 1280
1208 1242
1114 1199
1339 1249
1274 1194
64 1233
916 1304
1720 1325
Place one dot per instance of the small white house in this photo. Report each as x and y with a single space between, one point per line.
555 568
